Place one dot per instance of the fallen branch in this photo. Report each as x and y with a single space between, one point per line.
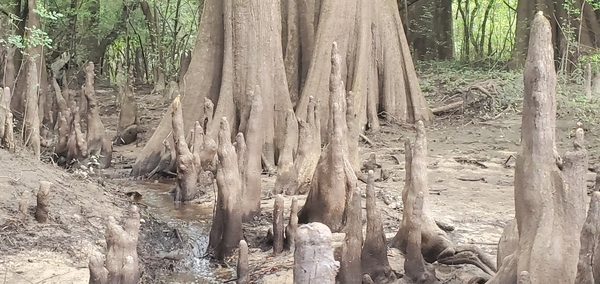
449 107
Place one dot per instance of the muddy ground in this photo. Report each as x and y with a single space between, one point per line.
470 178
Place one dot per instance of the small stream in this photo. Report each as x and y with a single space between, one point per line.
193 222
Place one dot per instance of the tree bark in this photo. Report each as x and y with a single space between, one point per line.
417 270
549 202
226 230
278 227
292 227
374 252
43 202
334 180
588 267
243 276
97 143
351 268
435 243
237 50
313 257
31 135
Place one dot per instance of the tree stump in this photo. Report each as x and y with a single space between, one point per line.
435 243
549 202
588 267
313 257
278 227
374 252
43 202
334 180
243 276
351 269
226 229
121 264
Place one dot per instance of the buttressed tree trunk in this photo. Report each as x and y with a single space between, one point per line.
549 202
334 180
435 243
240 45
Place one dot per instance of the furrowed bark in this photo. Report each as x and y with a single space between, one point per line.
313 257
374 252
334 180
226 230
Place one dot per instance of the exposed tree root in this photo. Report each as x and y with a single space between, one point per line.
351 266
417 270
128 120
226 229
588 267
435 244
374 251
334 180
121 264
549 196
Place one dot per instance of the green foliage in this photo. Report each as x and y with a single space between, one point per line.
484 29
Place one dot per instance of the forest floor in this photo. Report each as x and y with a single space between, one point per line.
471 166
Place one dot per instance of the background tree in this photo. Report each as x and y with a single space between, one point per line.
227 62
429 28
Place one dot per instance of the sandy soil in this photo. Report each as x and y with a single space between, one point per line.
471 188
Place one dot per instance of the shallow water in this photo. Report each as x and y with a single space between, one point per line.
193 221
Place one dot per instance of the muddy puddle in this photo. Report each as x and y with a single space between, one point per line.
192 223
